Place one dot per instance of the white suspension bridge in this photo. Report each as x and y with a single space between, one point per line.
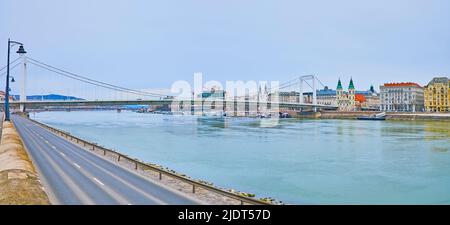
91 92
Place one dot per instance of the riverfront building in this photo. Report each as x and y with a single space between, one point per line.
437 95
326 96
346 100
369 99
401 97
2 96
292 96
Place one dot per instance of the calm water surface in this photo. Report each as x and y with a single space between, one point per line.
298 161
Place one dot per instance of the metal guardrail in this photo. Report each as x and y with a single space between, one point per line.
138 164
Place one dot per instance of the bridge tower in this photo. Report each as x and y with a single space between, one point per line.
23 94
305 79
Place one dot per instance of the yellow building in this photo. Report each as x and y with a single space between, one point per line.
437 95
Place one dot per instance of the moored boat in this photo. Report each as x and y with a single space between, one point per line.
379 116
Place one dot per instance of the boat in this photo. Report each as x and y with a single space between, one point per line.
215 114
379 116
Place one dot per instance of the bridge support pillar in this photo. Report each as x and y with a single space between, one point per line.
22 108
314 100
300 92
23 93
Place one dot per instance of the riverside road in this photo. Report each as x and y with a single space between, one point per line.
72 175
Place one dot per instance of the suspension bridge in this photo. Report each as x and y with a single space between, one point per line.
85 91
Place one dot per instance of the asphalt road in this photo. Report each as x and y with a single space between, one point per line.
72 175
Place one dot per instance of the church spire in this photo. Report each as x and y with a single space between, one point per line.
351 86
339 86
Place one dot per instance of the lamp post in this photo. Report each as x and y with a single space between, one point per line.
20 51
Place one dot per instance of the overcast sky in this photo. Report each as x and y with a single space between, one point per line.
151 44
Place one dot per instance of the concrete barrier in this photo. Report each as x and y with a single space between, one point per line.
19 182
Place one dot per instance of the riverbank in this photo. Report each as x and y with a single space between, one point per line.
19 182
389 115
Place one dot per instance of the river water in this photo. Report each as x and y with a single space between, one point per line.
297 161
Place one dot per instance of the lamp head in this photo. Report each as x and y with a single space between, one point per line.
21 50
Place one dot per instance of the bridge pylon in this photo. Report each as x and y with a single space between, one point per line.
305 79
23 93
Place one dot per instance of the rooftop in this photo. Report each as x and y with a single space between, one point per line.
402 84
439 80
360 98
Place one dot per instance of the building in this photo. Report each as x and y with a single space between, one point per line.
2 96
437 95
326 96
292 96
345 100
371 98
401 97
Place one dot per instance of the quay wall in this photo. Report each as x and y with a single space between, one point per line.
418 116
344 115
389 115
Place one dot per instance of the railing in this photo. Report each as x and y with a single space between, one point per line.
160 171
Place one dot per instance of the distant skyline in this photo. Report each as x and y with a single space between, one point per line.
151 44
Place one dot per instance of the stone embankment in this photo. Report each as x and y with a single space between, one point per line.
344 115
389 115
419 116
19 182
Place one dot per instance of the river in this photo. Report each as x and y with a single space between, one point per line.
297 161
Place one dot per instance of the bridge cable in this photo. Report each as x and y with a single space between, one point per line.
92 81
10 69
103 84
10 63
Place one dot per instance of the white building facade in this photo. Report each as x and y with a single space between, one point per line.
401 97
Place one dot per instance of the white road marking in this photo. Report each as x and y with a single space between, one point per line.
98 181
62 154
53 147
77 165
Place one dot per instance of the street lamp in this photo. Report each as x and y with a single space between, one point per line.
20 51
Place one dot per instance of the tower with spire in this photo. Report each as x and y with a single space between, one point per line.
346 100
351 91
339 90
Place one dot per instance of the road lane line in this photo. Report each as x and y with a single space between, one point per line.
62 154
117 196
98 181
121 180
81 195
78 166
75 150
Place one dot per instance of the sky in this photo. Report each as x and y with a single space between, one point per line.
150 44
